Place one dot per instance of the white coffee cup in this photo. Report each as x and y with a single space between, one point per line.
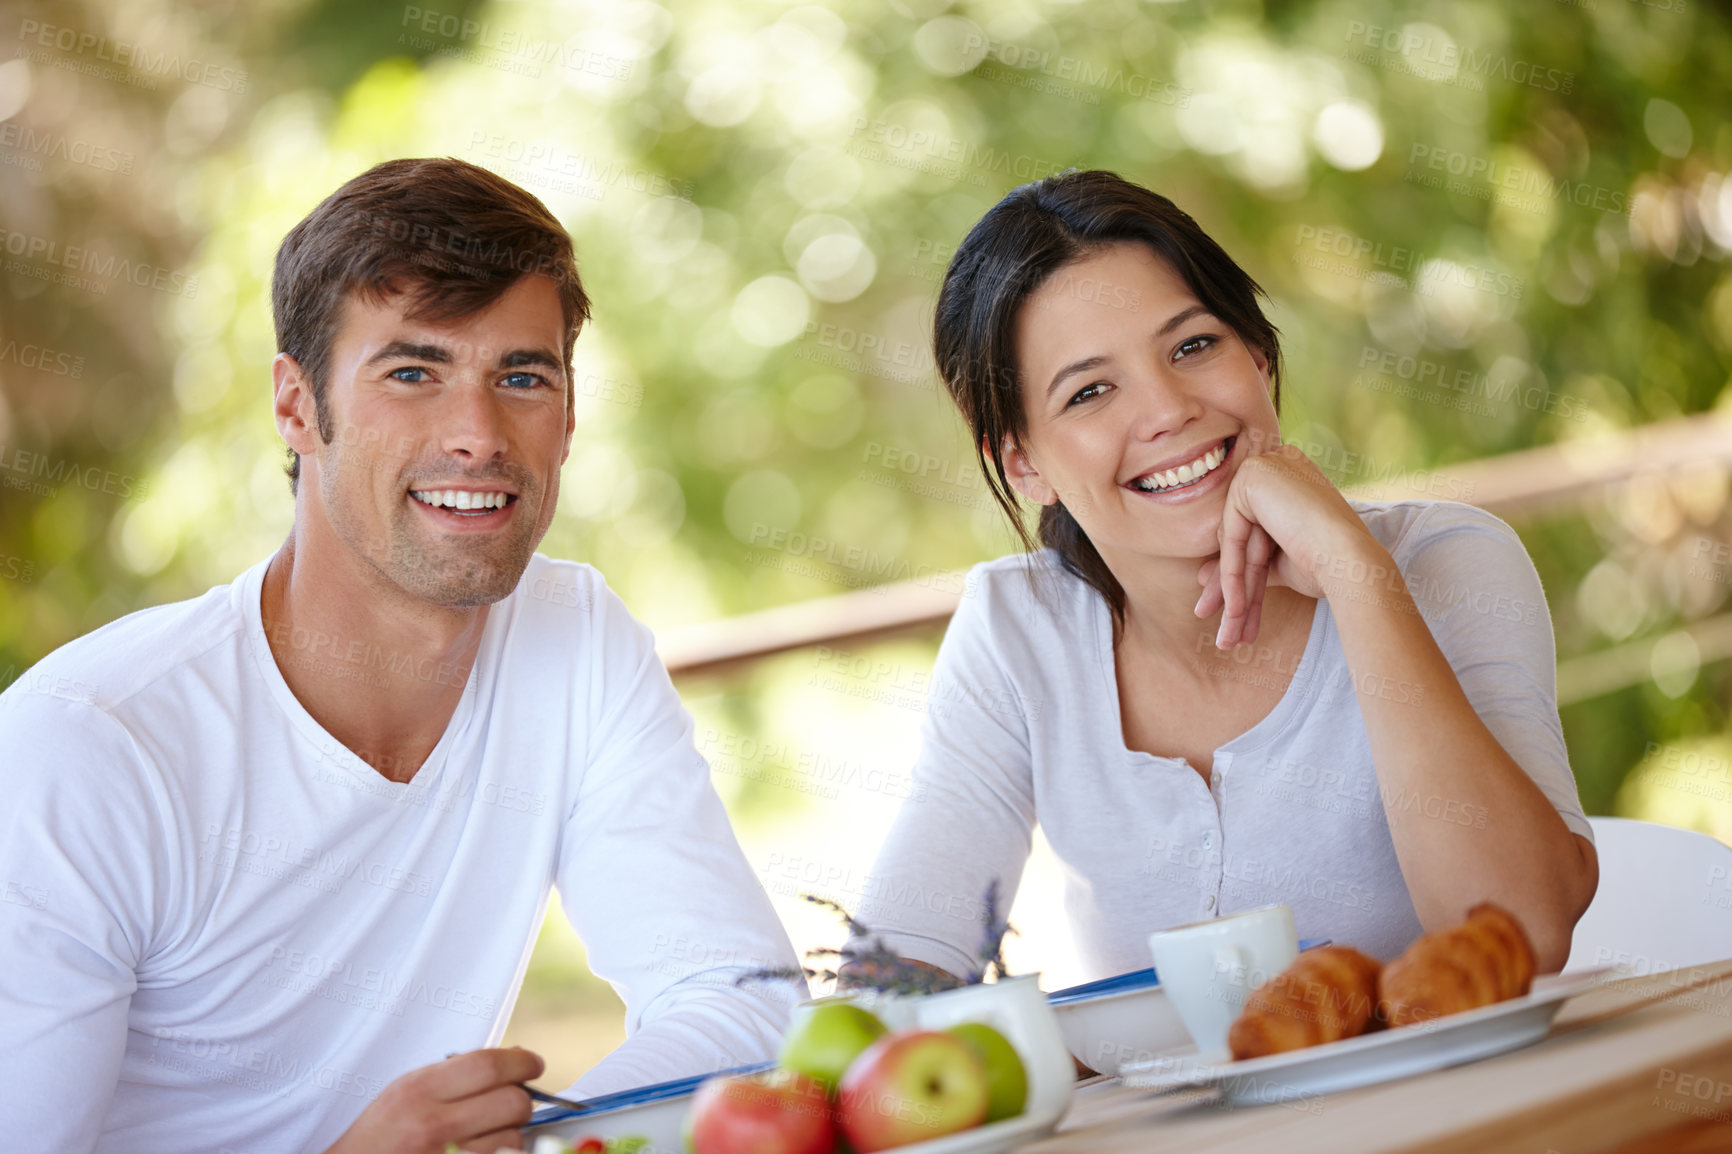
1208 969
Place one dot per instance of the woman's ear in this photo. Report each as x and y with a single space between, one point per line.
1024 477
1262 361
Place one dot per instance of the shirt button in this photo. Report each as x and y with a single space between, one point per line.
1208 841
1209 902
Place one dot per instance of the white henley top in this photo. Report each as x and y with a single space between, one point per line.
1023 726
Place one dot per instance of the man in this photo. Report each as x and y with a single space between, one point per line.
272 854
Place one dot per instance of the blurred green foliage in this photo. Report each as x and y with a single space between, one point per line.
763 196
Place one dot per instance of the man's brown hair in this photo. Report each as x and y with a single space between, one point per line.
450 235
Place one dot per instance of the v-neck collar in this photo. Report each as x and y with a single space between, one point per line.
250 589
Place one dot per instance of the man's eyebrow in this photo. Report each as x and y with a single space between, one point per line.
541 358
440 355
410 351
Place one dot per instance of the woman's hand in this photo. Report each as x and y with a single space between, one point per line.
1283 523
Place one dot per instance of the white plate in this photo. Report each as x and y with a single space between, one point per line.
1379 1057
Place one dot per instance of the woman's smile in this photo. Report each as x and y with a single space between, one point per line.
1196 474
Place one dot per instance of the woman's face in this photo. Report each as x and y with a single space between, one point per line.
1139 405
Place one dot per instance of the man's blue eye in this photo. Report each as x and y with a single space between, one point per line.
523 380
420 375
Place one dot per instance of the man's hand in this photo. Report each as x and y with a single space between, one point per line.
471 1099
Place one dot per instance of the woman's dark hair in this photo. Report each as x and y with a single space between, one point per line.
1026 238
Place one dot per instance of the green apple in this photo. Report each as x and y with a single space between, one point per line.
1006 1079
829 1036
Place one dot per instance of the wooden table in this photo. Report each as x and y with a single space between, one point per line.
1637 1066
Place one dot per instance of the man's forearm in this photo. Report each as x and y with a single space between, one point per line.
701 1029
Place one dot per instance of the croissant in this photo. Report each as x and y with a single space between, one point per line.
1486 959
1327 994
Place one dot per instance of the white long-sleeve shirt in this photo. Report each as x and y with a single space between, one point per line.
223 931
1023 726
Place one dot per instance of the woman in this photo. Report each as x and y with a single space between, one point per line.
1221 684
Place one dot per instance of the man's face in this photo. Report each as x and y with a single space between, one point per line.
443 468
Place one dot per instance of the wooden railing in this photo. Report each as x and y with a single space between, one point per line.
1515 486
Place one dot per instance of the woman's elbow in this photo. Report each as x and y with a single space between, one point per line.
1553 935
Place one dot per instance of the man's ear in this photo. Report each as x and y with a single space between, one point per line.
1024 477
570 426
292 405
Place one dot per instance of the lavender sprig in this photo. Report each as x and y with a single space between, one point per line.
872 964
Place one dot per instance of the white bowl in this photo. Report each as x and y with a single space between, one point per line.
1123 1019
1014 1007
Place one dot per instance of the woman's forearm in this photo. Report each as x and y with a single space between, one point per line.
1468 823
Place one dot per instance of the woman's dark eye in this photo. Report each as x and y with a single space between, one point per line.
1196 344
420 375
1087 393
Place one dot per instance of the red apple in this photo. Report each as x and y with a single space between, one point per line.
776 1112
909 1087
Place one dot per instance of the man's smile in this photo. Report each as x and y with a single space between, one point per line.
471 508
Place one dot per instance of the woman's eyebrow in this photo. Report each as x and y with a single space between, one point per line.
1180 318
1097 361
1074 368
